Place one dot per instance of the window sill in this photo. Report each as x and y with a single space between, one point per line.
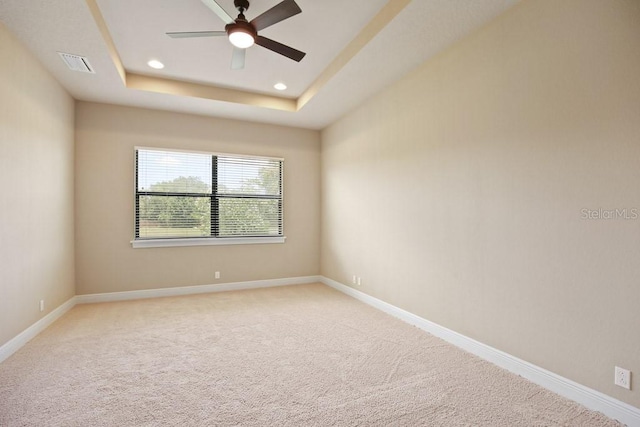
165 243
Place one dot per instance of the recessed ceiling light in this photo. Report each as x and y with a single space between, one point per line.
280 86
154 63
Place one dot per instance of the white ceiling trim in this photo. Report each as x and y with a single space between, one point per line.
106 35
216 93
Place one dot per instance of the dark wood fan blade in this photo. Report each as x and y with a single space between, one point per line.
189 34
237 59
280 48
277 13
218 10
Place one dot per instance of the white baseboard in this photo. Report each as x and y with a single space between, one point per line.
191 290
586 396
28 334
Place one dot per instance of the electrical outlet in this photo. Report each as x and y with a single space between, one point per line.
217 275
359 281
622 378
41 305
354 280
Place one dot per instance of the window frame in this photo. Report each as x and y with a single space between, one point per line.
215 196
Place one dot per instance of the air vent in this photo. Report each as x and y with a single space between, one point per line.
76 63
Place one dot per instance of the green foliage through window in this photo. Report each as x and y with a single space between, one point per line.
184 194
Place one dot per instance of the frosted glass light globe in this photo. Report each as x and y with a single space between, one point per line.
241 40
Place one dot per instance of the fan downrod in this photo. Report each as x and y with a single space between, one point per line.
241 5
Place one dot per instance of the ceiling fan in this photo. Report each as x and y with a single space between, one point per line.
243 34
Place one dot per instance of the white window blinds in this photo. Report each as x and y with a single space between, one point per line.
205 195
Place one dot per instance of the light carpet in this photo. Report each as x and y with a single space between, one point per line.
287 356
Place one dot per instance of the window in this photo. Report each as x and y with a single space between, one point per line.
193 198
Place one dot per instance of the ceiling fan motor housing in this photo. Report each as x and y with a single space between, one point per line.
241 25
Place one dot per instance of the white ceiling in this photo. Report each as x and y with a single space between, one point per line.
323 29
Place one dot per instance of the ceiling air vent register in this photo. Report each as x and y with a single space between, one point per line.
76 63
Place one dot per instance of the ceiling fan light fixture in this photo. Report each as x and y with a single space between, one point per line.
241 36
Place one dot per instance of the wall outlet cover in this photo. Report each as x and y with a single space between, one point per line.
622 378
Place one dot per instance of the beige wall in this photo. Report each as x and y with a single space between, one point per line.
36 207
457 193
105 139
